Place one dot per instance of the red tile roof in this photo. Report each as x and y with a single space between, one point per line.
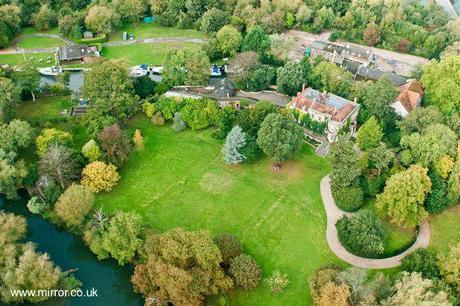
410 94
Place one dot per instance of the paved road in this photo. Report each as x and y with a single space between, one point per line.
334 213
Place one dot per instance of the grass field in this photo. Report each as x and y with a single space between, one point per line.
34 59
445 229
148 53
35 42
153 30
180 180
44 108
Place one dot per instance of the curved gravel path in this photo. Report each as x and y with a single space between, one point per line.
334 213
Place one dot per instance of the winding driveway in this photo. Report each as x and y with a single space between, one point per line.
334 213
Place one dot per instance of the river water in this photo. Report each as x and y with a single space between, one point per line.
111 281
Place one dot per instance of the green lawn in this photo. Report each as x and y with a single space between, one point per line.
153 30
43 109
445 229
34 59
148 53
35 42
180 180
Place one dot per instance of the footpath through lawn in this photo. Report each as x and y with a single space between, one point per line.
180 180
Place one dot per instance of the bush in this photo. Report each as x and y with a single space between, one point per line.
334 36
158 119
277 281
373 184
422 261
161 88
362 234
36 205
348 198
95 40
320 277
229 246
91 150
99 176
245 271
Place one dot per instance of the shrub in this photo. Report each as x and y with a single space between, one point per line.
52 136
91 150
245 271
149 109
36 205
200 113
115 144
277 281
348 198
161 88
320 277
229 246
362 234
99 176
74 205
422 261
158 119
138 139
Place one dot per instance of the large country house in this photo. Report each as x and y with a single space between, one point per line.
336 111
410 96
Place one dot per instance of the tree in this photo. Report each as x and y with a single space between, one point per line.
320 277
91 150
101 19
245 271
364 290
121 240
74 205
12 174
333 78
181 268
362 234
449 266
138 139
344 163
279 137
131 10
228 40
413 289
213 20
144 86
371 35
109 87
229 246
403 196
261 78
369 134
15 135
436 141
188 66
9 97
115 145
58 163
50 137
251 120
436 200
200 113
10 23
422 261
45 18
225 121
334 294
453 183
378 98
442 84
419 119
291 77
235 140
256 40
99 176
27 79
380 158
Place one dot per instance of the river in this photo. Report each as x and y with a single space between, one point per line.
111 281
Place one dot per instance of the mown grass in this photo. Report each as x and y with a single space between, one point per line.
148 53
445 229
180 180
28 58
36 42
45 108
153 30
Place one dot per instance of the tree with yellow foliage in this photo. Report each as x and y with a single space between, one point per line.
138 139
99 176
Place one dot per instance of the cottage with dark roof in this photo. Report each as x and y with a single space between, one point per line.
336 111
77 53
410 96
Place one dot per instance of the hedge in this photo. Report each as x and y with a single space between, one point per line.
96 40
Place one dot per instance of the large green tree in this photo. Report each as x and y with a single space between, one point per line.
419 119
10 22
279 137
403 197
256 40
442 84
110 90
369 134
292 76
180 267
188 66
344 163
9 97
229 40
378 98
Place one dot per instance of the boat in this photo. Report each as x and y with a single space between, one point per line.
50 71
216 71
